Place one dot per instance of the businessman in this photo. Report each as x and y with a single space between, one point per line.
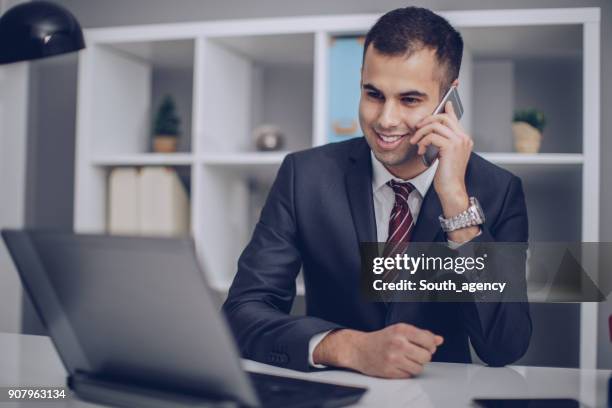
327 200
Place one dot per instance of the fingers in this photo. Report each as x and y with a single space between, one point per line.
450 109
448 118
443 118
398 365
433 127
396 372
432 138
443 143
416 336
411 367
418 354
445 126
405 350
414 368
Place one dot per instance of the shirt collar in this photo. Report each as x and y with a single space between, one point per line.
380 176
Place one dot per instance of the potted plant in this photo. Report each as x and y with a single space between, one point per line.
527 127
166 127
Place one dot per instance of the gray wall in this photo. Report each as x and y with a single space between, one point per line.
51 136
178 84
542 84
50 165
495 82
294 119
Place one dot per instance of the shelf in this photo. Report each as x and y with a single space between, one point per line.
130 80
145 159
256 158
275 158
274 76
537 158
244 159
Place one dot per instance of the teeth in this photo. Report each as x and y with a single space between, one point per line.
389 139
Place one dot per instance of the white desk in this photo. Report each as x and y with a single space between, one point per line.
32 361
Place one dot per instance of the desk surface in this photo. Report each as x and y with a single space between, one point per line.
32 360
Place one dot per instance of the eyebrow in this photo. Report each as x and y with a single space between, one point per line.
411 93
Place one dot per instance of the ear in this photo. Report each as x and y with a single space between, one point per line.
455 83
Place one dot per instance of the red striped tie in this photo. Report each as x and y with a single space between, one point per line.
401 225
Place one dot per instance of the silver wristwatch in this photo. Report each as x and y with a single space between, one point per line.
470 217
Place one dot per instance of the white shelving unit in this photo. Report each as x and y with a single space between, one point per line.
276 158
144 159
243 159
230 76
534 159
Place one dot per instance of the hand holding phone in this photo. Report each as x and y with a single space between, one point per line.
431 153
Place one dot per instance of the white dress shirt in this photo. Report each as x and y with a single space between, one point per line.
384 199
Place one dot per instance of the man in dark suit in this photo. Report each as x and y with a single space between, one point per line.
327 200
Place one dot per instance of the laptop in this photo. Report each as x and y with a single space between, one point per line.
135 324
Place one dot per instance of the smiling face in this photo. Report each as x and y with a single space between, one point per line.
396 93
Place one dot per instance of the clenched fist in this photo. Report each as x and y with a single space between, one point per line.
397 351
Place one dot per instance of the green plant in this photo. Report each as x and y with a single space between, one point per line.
531 116
167 121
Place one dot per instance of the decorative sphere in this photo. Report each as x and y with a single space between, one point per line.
268 138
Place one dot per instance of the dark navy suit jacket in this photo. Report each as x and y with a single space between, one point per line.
319 209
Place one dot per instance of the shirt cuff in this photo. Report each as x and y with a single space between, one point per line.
456 245
312 345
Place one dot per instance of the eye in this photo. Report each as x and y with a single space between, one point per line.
409 100
374 95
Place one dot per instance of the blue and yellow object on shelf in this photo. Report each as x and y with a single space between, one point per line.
345 55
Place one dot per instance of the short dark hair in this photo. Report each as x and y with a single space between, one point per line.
406 30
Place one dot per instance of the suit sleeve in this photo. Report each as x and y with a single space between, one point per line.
263 290
500 331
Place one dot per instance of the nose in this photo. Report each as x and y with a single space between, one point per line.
389 117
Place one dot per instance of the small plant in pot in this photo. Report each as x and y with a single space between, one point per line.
166 127
527 128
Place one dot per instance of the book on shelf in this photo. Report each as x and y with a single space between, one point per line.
149 201
123 203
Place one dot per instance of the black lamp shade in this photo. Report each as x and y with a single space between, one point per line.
38 29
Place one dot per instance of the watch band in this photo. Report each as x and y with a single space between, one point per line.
468 218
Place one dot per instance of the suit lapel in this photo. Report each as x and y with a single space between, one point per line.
359 191
361 203
427 227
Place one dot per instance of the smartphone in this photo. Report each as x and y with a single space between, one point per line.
431 153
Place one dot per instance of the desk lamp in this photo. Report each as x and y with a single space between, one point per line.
38 29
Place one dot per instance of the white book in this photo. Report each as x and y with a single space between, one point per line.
123 203
164 205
